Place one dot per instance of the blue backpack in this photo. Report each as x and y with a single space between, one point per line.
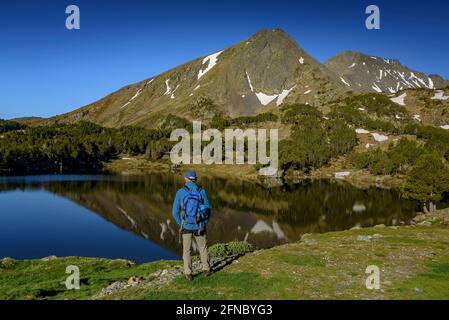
193 206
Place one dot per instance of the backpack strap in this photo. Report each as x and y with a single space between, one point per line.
183 213
199 189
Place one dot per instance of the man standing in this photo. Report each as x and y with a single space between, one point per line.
191 210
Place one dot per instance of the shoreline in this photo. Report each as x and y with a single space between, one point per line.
410 249
358 178
126 166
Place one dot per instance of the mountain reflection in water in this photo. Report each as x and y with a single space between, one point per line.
241 210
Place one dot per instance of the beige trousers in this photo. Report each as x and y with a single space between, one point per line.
201 242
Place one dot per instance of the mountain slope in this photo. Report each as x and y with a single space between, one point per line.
362 73
254 76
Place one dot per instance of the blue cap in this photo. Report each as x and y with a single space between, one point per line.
191 175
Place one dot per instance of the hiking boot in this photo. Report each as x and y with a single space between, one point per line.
189 277
207 273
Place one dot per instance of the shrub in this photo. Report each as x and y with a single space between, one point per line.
7 125
397 159
263 117
299 113
235 248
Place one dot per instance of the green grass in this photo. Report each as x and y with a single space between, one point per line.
38 279
312 261
413 263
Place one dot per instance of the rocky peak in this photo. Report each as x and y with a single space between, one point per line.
364 73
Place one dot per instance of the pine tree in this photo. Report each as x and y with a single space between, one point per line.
428 181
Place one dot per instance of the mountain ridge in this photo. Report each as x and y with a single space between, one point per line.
365 73
256 75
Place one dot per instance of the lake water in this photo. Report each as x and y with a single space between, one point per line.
130 216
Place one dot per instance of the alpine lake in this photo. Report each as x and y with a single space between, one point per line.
129 217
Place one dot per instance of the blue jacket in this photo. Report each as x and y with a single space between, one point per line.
177 203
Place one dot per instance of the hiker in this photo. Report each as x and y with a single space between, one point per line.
191 210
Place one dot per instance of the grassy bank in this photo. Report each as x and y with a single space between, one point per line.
413 263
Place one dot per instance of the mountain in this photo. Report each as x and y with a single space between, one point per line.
253 76
362 73
27 120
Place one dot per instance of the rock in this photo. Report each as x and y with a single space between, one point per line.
133 281
112 288
7 259
342 175
128 263
380 226
309 241
162 277
369 238
364 238
304 236
49 258
7 263
356 228
268 172
425 224
417 290
164 273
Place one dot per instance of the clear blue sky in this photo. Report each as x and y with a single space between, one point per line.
46 69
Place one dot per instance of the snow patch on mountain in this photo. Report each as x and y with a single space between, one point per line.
439 95
132 98
344 81
301 60
284 95
400 100
266 99
249 82
168 90
173 93
137 94
379 137
212 61
376 88
362 131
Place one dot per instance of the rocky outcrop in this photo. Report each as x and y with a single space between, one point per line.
161 277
